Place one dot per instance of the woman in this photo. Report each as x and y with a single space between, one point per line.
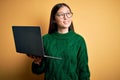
61 41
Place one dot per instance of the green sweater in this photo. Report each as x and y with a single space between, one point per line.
71 48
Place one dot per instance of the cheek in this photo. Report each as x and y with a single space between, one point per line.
62 22
58 21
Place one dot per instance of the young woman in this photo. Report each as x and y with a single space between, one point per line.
61 41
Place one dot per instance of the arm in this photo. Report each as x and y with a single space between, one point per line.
38 68
82 64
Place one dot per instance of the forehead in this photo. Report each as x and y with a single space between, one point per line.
63 9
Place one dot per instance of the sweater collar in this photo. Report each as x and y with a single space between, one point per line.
63 36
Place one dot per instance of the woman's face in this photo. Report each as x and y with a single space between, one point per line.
63 17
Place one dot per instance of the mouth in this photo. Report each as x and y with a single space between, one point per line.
66 22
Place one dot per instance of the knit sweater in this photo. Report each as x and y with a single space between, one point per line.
71 47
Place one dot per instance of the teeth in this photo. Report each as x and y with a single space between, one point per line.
65 22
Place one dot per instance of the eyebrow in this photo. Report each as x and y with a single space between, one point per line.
63 12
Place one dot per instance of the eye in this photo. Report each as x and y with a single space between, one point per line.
68 13
60 14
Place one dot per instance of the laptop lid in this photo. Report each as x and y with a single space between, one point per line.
28 40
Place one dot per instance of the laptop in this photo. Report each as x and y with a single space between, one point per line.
28 40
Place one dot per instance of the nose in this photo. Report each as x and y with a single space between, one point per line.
65 16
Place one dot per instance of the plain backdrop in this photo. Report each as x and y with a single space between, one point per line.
98 21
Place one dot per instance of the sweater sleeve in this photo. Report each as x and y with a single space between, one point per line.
82 64
38 69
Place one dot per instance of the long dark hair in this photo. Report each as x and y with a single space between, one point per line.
52 25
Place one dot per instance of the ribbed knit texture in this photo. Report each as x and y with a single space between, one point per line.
71 48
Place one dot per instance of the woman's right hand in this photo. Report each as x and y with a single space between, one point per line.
37 60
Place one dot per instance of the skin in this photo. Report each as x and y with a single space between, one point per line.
64 23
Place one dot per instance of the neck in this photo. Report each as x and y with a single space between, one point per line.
63 30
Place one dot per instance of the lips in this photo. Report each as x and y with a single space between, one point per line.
66 22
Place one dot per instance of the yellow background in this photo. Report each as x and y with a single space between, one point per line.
97 20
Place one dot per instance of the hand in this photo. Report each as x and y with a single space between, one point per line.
37 60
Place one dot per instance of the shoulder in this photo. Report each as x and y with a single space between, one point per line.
79 37
47 37
81 42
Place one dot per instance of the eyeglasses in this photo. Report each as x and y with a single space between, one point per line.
62 15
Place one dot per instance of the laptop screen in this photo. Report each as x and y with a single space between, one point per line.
28 40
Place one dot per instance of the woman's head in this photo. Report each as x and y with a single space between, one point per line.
61 16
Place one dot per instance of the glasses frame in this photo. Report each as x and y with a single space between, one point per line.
62 15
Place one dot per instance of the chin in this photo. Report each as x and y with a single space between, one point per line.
64 27
67 26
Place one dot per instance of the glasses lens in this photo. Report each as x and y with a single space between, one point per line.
62 15
69 14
